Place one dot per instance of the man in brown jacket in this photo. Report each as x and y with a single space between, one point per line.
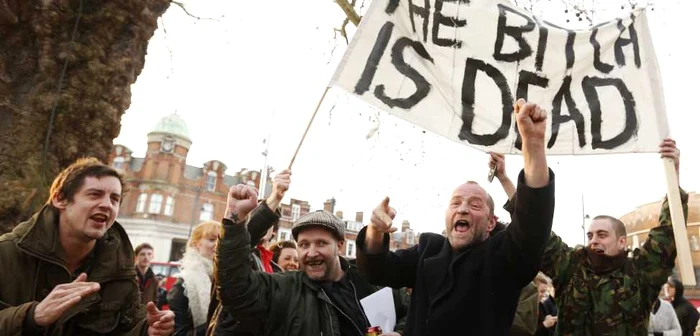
69 270
148 284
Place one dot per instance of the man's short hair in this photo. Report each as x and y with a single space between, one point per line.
142 246
618 225
71 179
489 200
542 279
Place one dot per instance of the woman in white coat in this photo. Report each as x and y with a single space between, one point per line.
663 320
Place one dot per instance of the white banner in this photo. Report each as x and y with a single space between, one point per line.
455 67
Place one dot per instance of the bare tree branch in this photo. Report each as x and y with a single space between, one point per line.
342 30
179 4
349 9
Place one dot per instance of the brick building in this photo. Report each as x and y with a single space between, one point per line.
165 197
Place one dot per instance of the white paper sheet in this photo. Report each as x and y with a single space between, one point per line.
379 308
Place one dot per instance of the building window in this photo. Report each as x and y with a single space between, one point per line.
169 205
211 181
353 226
350 249
141 203
155 204
284 234
296 211
118 162
207 212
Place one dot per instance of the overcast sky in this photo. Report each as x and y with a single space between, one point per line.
262 68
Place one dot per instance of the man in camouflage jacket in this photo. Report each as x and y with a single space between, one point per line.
600 290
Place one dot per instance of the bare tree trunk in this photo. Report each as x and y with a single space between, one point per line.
104 59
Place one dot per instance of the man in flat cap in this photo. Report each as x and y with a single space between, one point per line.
323 298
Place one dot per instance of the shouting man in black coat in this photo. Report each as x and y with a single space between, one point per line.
468 283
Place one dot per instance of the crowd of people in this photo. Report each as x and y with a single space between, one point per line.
71 269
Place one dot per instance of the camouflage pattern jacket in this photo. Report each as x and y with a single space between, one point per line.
617 302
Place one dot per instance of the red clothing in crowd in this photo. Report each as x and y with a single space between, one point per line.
266 258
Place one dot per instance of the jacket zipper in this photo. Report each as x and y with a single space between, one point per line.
330 318
341 311
42 258
359 304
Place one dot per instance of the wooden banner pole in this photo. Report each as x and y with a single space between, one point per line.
685 261
308 126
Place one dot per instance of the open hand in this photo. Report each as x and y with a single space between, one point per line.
549 321
62 298
160 322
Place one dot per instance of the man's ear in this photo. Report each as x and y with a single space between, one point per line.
59 203
622 242
491 224
341 245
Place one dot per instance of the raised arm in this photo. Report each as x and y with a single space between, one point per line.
531 121
267 213
656 257
244 292
557 255
498 161
526 236
381 266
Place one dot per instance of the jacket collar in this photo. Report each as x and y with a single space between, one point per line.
39 237
601 264
440 267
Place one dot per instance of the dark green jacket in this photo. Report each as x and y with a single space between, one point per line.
617 302
32 264
525 319
288 303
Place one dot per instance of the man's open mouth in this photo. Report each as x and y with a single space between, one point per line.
597 250
100 218
314 263
462 226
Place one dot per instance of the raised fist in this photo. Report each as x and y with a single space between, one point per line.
242 199
531 120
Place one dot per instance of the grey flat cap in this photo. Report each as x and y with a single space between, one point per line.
323 219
